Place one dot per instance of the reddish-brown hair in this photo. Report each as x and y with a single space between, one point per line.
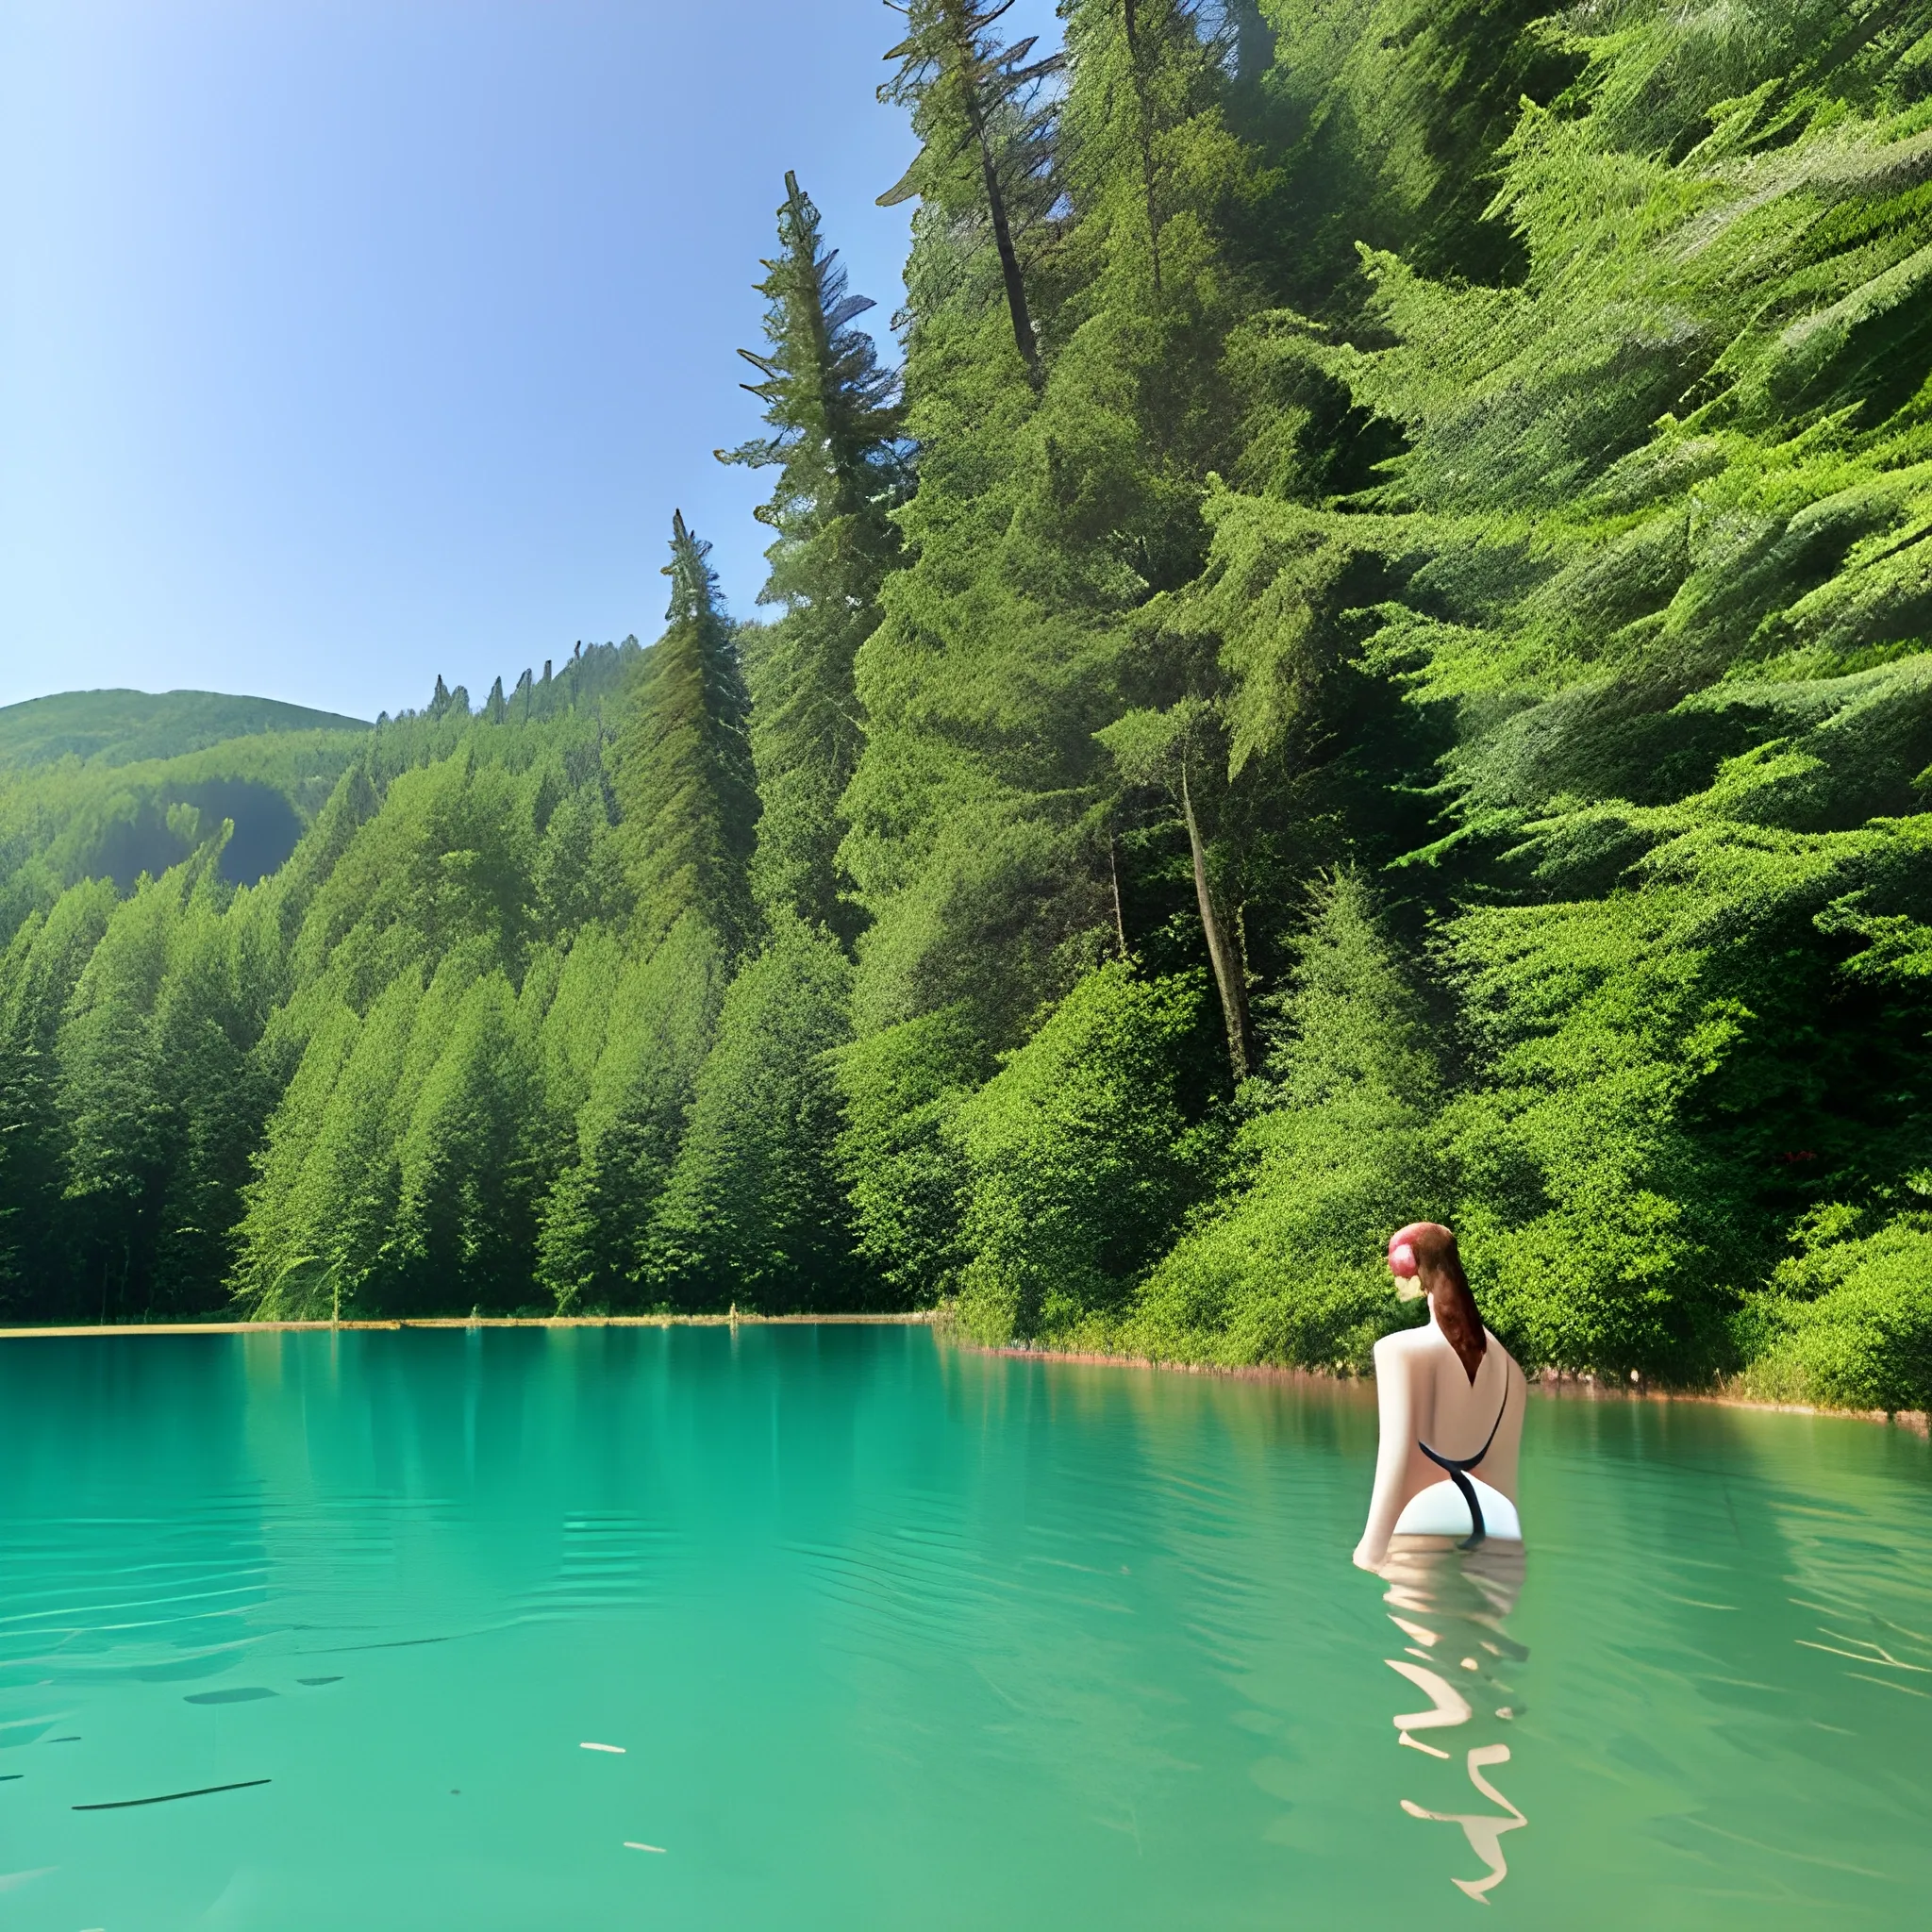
1439 1268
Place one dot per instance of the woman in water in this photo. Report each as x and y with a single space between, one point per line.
1451 1402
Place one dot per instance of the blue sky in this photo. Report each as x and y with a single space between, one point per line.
344 342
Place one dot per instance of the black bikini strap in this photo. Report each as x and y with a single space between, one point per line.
1460 1466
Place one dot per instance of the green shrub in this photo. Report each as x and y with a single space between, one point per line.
1082 1160
903 1166
1849 1323
1335 1155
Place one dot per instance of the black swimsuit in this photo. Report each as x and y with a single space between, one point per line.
1459 1468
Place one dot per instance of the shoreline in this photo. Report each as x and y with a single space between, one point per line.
918 1318
1557 1385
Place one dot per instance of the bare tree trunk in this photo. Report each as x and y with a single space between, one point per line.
1113 873
1003 237
1229 978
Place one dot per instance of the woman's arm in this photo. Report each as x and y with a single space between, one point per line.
1394 1400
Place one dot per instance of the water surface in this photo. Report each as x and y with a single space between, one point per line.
887 1634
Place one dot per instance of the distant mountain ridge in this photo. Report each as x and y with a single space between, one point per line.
124 727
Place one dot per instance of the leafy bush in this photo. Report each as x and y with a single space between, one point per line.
1081 1158
1336 1153
899 1156
1848 1324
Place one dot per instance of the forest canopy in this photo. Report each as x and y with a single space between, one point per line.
1367 653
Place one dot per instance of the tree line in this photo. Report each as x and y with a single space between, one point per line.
1370 661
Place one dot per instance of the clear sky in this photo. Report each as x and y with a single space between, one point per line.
344 342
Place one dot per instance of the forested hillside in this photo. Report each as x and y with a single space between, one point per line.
1374 661
110 784
124 727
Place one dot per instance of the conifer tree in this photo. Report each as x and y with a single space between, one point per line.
836 440
465 1216
1338 1144
1081 1157
112 1079
158 1096
596 1220
681 766
37 973
754 1212
901 1090
314 1242
983 805
209 1012
985 122
1182 751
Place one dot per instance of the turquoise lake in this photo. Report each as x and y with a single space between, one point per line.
885 1633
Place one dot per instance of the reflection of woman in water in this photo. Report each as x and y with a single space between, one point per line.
1451 1402
1451 1606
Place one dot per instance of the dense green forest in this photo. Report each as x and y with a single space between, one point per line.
1371 660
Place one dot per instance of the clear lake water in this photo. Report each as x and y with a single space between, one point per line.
810 1626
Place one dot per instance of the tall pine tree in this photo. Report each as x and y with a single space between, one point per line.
984 118
837 442
1045 522
661 1018
680 765
754 1212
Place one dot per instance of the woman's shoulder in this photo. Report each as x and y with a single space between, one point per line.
1408 1342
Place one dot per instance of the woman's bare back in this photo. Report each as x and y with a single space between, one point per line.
1429 1401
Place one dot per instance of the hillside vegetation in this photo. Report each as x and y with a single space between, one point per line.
126 728
111 784
1375 661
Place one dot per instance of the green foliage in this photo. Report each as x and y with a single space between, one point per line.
1404 687
64 822
986 158
1392 113
634 1037
753 1211
1081 1158
1594 1224
680 766
37 974
1336 1148
159 1096
899 1152
1048 510
446 865
128 727
837 444
1848 1322
480 1084
465 1211
1639 578
358 1087
314 1241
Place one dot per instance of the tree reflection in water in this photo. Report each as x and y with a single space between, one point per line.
1451 1606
